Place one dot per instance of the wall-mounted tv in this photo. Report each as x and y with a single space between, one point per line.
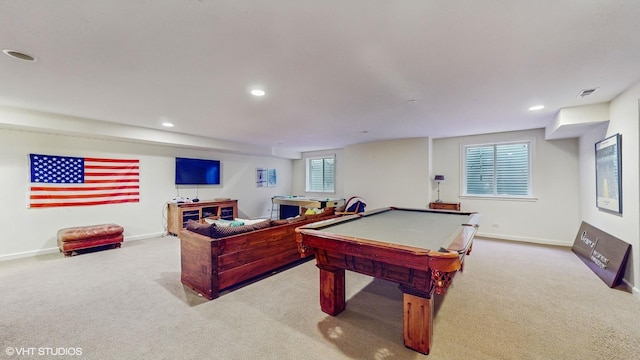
197 172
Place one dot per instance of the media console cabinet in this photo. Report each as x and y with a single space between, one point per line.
179 213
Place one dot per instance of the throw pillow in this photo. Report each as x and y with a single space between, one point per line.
196 227
249 221
261 225
298 219
279 222
232 223
220 232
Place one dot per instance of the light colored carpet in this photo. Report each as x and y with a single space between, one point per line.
513 301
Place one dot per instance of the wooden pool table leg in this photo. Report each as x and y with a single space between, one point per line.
418 322
332 292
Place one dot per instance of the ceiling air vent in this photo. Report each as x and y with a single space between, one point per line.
586 92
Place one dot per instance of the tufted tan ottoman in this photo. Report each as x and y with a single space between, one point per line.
85 237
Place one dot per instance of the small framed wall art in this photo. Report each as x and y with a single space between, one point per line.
266 177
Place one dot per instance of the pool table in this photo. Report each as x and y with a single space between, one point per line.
421 250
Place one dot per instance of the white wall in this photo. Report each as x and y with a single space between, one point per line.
389 173
386 173
624 118
31 231
551 218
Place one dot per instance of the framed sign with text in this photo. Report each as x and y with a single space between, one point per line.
609 174
604 254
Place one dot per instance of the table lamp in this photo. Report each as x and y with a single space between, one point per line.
439 179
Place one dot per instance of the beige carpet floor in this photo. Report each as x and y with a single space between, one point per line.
513 301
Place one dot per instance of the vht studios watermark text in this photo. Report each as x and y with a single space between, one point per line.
43 351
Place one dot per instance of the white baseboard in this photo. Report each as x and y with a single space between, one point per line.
634 290
27 254
525 239
143 236
55 250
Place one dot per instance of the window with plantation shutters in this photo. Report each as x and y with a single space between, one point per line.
497 170
321 174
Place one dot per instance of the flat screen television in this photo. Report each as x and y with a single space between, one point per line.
197 172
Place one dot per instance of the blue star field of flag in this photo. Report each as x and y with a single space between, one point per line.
57 169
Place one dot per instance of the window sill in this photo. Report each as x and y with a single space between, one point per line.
499 198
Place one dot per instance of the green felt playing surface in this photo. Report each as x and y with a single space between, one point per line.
421 229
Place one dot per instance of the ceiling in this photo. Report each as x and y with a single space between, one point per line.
335 72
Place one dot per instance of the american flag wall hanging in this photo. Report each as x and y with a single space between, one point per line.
77 181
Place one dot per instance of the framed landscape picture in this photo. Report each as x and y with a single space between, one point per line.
609 174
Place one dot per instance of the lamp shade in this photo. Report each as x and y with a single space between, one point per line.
439 178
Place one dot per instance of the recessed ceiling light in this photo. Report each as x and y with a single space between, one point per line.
536 107
257 92
167 124
19 55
